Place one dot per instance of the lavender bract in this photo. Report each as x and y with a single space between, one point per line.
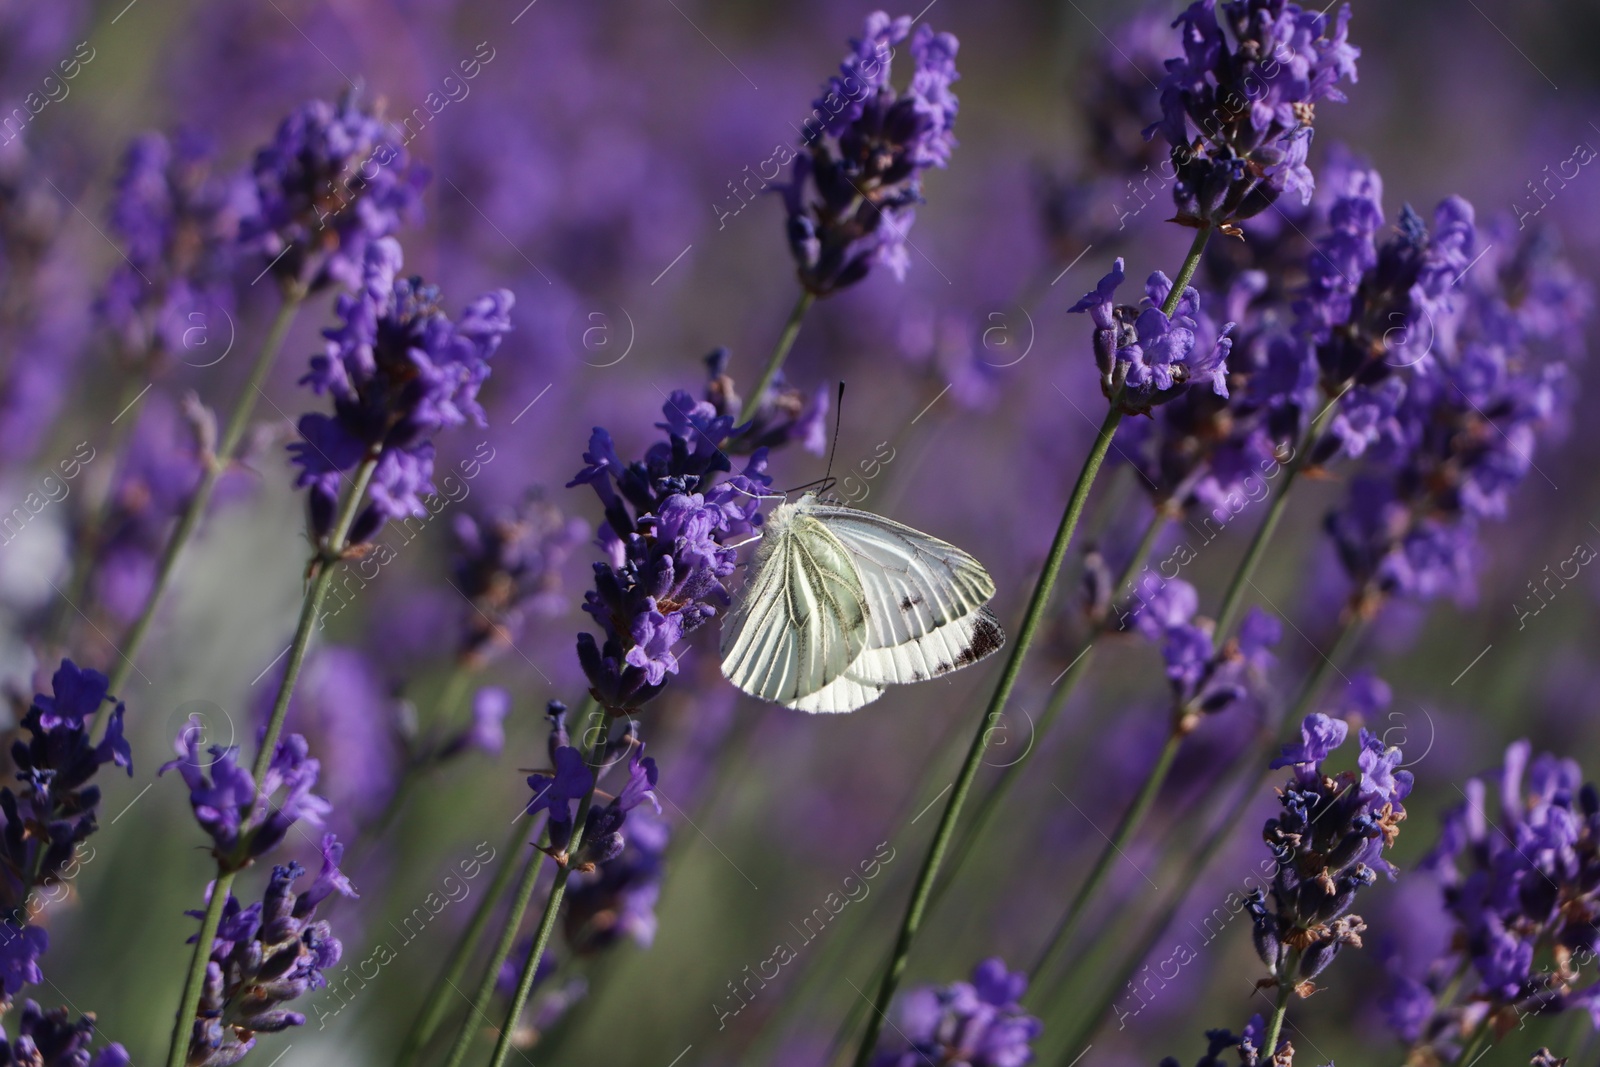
52 1039
509 567
852 194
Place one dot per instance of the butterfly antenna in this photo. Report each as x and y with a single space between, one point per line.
826 482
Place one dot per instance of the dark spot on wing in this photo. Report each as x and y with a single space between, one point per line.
987 637
909 602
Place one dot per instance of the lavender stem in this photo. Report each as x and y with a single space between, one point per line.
189 521
1037 605
780 352
310 606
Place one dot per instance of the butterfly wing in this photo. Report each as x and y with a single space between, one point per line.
842 694
925 600
803 619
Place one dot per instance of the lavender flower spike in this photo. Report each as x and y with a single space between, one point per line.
52 1039
852 194
398 370
1146 358
978 1023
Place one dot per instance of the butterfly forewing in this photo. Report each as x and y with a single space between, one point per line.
802 620
914 583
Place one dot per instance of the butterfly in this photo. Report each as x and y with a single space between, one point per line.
845 603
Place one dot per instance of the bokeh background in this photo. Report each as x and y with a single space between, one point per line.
588 170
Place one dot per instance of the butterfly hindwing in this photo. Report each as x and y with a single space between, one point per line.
947 648
803 619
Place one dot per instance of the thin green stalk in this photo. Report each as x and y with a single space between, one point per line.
1116 845
519 906
183 1025
311 609
434 1008
547 921
189 521
1037 605
1253 767
780 352
1233 597
1269 1046
1469 1054
1191 263
311 605
990 806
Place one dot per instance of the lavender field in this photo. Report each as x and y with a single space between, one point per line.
690 534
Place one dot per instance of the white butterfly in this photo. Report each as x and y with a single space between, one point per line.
845 602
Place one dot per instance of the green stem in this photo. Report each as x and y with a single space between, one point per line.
311 610
195 510
1233 598
552 909
442 995
1191 263
993 800
1254 766
310 606
780 352
183 1025
519 907
1469 1054
1037 605
1269 1046
1115 846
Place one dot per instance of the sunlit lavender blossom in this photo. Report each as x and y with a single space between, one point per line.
668 521
785 414
1327 845
978 1023
331 182
398 370
1238 112
1146 358
857 181
1522 888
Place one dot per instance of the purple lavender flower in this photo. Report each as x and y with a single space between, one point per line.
159 471
263 957
179 224
784 414
980 1023
330 184
55 808
398 370
52 1039
509 567
1224 1048
851 197
1146 358
1522 888
1204 679
618 899
243 821
668 521
1238 113
1445 379
558 791
1327 845
602 836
